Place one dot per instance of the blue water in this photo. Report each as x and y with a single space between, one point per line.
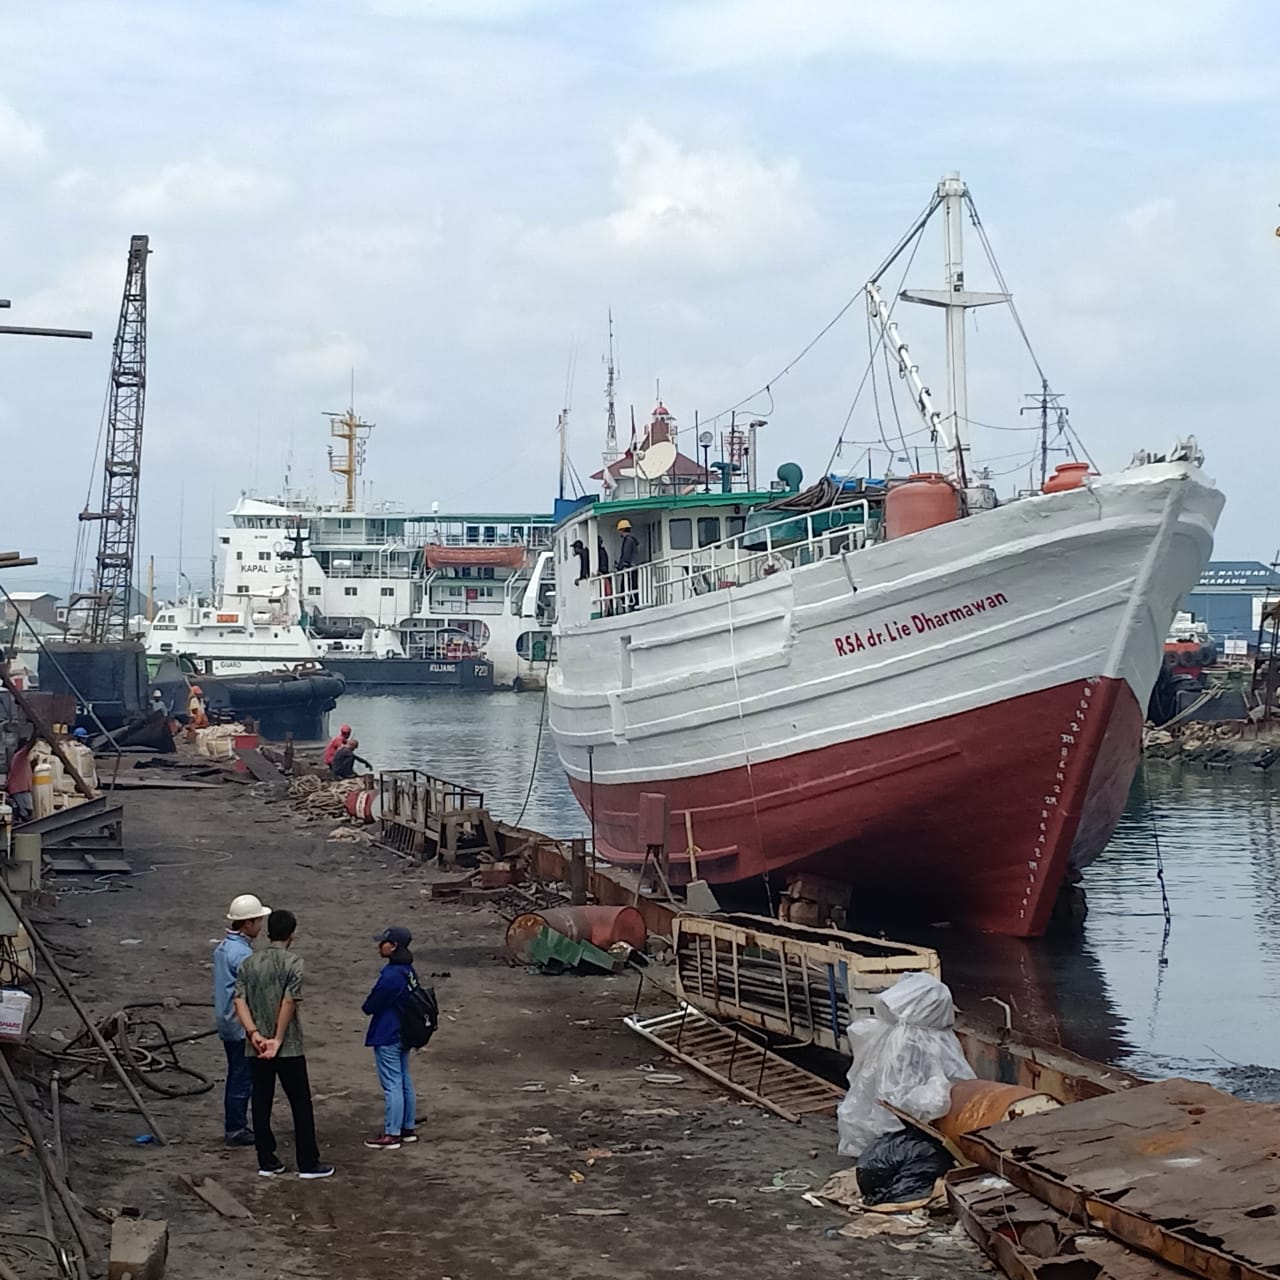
1203 1001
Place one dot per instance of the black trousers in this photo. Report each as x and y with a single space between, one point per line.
292 1074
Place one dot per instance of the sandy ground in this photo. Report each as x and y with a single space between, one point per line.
530 1080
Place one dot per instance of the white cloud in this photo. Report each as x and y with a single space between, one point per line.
700 208
328 358
1201 85
199 186
714 206
85 289
19 138
473 11
721 33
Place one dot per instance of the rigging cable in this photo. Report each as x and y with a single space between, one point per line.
857 395
912 233
1000 280
875 389
537 751
893 396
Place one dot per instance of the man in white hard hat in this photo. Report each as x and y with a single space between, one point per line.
244 923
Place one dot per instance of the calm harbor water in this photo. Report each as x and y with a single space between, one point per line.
1204 1002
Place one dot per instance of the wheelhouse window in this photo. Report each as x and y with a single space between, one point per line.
681 531
708 530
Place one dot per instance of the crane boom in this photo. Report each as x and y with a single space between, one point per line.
122 464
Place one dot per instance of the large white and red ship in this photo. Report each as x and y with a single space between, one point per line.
913 689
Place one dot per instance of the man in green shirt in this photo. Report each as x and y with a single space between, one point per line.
268 992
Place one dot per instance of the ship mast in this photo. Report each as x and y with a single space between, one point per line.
611 452
955 300
353 432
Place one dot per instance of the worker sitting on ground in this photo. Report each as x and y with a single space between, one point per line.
338 741
345 760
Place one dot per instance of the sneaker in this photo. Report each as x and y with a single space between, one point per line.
409 1135
242 1139
274 1172
320 1171
384 1142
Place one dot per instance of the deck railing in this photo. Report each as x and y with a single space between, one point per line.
793 540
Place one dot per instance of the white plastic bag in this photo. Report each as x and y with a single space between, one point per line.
907 1054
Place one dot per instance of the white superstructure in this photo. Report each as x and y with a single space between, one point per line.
386 581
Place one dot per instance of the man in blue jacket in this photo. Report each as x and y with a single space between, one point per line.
391 1058
244 923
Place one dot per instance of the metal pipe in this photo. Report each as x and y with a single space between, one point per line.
34 332
61 1190
90 1026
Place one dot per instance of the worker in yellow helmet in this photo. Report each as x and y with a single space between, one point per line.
197 716
628 558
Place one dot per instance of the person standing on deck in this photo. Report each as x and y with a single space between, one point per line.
384 1037
628 558
336 743
268 992
584 561
244 923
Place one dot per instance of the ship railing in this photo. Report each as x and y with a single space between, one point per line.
790 542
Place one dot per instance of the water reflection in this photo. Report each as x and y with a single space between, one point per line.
1102 991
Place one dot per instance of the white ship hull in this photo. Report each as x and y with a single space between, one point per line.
794 717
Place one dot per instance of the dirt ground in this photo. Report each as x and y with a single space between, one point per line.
530 1081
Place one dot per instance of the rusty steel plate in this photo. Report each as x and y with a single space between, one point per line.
1028 1240
1177 1169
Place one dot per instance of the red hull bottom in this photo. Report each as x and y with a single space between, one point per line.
977 818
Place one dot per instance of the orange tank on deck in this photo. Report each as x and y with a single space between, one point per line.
925 500
1066 475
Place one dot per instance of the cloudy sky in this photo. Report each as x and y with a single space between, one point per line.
447 195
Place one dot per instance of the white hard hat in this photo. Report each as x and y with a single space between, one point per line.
247 907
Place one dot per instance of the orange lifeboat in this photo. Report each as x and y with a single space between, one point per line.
925 500
1066 475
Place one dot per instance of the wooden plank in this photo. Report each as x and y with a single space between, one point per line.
216 1196
258 765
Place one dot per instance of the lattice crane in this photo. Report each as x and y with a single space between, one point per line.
112 595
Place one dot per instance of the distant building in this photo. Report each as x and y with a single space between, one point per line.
1229 597
39 606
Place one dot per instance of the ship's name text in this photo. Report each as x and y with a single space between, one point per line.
916 625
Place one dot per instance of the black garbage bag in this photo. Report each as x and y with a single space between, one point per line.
900 1167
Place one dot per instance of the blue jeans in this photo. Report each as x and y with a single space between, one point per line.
235 1097
392 1062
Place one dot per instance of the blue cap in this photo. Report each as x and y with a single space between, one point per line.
401 937
82 733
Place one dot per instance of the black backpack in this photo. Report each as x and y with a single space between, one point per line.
419 1014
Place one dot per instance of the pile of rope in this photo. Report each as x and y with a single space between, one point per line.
314 797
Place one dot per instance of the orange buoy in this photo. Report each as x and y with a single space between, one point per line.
359 804
1066 475
925 500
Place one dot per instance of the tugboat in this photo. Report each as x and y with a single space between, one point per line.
281 703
